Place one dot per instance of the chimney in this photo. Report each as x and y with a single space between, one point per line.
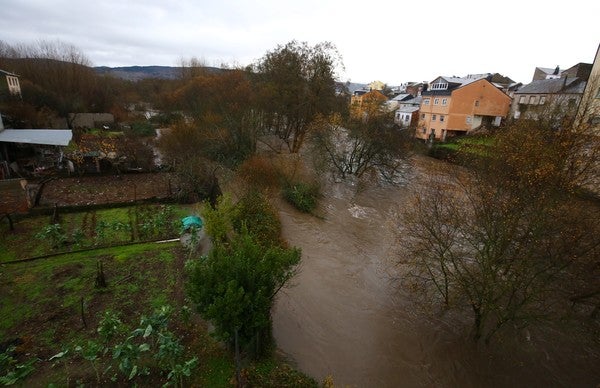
556 71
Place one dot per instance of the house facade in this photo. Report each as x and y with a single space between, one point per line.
589 108
376 85
407 113
394 103
558 97
9 85
454 106
363 102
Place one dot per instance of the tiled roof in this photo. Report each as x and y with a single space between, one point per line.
408 109
415 101
551 86
547 70
401 97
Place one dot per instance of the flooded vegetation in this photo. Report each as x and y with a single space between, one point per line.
346 315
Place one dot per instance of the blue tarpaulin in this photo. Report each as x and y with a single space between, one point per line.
191 222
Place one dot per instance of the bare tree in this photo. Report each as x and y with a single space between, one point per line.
191 68
353 145
508 239
57 75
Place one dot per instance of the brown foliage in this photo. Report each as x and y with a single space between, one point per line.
509 240
260 172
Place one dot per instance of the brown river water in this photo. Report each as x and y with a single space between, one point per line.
345 316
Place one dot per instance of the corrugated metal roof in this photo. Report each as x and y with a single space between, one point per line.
415 101
60 137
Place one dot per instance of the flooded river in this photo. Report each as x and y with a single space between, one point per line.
345 316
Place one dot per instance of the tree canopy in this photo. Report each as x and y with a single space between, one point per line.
297 84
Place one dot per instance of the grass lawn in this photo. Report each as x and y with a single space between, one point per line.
41 312
468 145
36 236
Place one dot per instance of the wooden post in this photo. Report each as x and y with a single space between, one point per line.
55 214
10 222
83 314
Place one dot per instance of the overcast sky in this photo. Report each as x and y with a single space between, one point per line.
391 41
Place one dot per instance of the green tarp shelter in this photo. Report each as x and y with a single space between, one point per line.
191 222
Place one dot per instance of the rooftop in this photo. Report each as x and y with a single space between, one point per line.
7 73
59 137
551 86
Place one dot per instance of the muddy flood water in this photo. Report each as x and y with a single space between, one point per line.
345 316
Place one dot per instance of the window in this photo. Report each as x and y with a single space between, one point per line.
436 101
442 117
468 119
533 100
422 116
433 117
424 130
439 86
444 101
426 101
476 102
542 100
398 116
522 100
406 117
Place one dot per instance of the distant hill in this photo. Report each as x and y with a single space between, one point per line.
136 73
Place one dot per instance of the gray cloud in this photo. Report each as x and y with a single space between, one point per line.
391 41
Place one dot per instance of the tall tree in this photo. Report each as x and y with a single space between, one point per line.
224 115
297 84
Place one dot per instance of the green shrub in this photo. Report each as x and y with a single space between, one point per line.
54 233
268 374
262 221
302 195
218 221
141 129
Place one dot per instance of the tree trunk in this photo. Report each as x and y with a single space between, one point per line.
478 323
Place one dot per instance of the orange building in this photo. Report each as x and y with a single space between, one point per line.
363 102
454 106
